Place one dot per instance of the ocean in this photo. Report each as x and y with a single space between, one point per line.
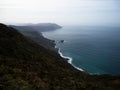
94 49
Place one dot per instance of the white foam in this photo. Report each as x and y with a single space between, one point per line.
69 60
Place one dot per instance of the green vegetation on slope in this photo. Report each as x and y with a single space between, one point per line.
25 65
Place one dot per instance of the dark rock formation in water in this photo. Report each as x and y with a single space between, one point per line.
61 41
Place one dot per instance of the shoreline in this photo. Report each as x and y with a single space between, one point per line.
69 59
51 45
57 50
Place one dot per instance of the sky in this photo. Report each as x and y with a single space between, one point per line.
68 12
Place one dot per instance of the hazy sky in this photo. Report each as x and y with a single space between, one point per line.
79 12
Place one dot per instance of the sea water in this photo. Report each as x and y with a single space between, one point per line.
94 49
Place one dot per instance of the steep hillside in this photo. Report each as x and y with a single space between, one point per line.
38 38
33 31
25 65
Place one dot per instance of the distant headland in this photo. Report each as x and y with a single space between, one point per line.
42 27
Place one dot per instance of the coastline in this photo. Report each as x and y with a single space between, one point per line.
26 65
69 59
41 39
57 50
49 44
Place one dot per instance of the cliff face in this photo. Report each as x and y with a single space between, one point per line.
25 65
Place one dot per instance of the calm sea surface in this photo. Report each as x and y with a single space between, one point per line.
95 49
